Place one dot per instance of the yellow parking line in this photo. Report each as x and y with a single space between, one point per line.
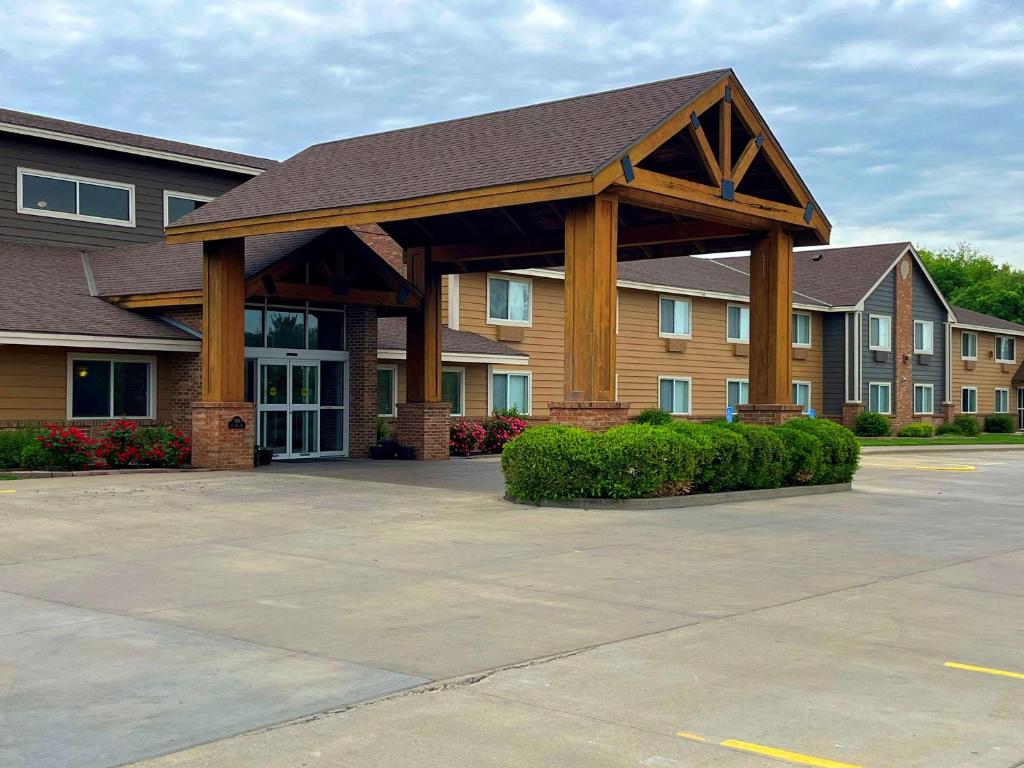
779 754
985 670
7 490
927 467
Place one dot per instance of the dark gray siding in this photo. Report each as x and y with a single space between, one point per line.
852 355
150 177
928 306
833 352
882 301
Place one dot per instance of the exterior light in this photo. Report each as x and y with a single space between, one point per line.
83 372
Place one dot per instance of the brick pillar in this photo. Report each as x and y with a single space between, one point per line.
903 363
425 427
948 412
361 343
850 413
216 444
768 414
591 415
186 382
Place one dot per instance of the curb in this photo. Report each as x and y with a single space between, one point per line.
25 474
876 450
697 500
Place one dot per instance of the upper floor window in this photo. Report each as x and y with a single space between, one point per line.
508 301
177 204
924 343
880 332
42 193
675 317
738 323
969 345
801 329
1005 351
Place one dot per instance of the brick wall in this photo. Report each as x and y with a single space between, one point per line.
185 386
592 416
425 426
903 386
361 341
214 444
192 316
768 415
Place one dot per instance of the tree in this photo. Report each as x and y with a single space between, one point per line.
973 280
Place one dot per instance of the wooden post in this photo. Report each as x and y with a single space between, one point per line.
591 244
423 331
223 351
771 319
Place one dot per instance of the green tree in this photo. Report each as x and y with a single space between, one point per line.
973 280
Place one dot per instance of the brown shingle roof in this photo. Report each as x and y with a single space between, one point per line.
133 140
980 319
391 335
542 141
44 290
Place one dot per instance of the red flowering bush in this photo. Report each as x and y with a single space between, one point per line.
501 429
163 447
67 447
118 446
465 437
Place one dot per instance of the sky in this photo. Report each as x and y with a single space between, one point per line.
904 117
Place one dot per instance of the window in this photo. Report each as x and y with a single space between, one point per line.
387 390
878 397
969 345
801 329
1005 351
738 322
737 392
674 395
675 317
802 394
924 399
923 337
295 328
508 301
969 400
177 204
1002 401
510 390
42 193
253 327
452 389
880 332
111 388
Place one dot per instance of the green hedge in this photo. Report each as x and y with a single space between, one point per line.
644 460
1000 423
871 424
917 429
13 442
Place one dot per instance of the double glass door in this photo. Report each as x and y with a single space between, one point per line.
289 407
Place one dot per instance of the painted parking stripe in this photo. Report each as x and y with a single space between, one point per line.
984 670
927 467
7 490
779 754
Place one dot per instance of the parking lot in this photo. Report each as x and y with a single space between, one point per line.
406 616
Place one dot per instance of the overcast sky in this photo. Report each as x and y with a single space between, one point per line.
905 118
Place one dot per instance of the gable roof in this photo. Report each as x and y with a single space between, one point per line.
120 141
969 317
579 135
391 336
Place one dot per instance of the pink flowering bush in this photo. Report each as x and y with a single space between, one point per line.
117 446
163 447
502 428
67 447
465 437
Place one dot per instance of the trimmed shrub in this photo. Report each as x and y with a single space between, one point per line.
654 416
803 456
768 459
722 456
1000 423
33 456
12 443
552 462
641 460
871 424
917 429
501 429
163 447
465 437
67 447
968 425
840 451
118 445
948 428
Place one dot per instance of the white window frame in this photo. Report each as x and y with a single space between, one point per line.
689 308
528 322
810 332
689 390
968 389
888 388
930 350
741 308
1006 394
22 208
462 386
888 343
996 351
394 391
735 381
931 389
150 395
169 193
810 393
510 372
963 335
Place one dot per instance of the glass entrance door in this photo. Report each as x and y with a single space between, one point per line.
305 409
289 407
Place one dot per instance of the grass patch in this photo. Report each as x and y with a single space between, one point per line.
7 476
983 439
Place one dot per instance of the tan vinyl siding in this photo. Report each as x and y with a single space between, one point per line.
988 375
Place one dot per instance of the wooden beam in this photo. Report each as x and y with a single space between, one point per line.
707 157
156 300
725 135
590 298
771 319
423 331
327 295
222 358
746 158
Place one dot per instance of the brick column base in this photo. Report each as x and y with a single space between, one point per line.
591 415
850 413
948 412
214 444
769 415
426 427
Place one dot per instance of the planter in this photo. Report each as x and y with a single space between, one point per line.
406 452
381 452
265 456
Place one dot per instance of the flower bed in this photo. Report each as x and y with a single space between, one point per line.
121 444
644 461
468 437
